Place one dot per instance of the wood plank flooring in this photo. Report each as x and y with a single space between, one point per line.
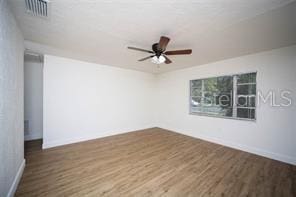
152 162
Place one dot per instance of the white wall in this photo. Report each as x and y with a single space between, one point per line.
85 101
33 94
11 102
272 135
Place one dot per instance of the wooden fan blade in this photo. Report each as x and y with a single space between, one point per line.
179 52
163 42
145 58
138 49
167 60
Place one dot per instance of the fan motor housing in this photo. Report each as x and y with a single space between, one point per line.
156 49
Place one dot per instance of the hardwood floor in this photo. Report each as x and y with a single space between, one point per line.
152 162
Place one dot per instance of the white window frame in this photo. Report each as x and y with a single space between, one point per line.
234 98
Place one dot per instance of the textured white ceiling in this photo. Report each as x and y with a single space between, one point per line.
100 31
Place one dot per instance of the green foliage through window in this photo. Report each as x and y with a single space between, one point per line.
226 96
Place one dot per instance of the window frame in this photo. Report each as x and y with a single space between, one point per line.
234 100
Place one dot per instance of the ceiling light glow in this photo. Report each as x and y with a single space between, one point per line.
158 60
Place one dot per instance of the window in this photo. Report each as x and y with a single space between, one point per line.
231 96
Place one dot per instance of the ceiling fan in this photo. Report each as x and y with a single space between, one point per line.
159 53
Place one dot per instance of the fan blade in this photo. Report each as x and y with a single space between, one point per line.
167 60
163 42
138 49
179 52
145 58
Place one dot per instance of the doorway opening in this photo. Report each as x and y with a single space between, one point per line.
33 96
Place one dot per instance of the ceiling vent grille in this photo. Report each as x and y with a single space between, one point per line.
37 7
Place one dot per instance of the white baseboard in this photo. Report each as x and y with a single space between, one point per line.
253 150
17 179
62 142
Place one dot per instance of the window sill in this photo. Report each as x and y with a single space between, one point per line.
223 117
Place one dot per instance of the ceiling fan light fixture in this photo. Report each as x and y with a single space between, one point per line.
159 52
161 59
158 60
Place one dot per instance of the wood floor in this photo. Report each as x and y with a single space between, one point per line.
152 162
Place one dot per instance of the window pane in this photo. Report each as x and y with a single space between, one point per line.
210 85
246 100
247 78
225 88
196 84
195 101
217 96
224 84
218 84
218 90
216 101
252 101
208 99
246 89
228 112
214 96
246 113
225 100
216 110
196 109
196 92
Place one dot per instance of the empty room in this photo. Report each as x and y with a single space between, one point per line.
148 98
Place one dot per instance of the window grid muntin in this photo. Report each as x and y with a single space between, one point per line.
234 101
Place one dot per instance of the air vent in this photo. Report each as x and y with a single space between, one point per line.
37 7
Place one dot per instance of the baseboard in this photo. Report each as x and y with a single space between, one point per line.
256 151
17 179
62 142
